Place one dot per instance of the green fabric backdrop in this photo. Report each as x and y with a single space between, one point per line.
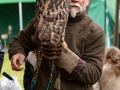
15 1
96 12
103 13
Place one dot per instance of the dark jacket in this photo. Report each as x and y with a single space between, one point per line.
28 74
1 56
85 38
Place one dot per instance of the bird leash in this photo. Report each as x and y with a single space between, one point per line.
34 80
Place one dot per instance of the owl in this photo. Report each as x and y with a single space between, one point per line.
51 19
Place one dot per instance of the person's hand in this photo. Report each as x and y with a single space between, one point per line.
51 52
16 61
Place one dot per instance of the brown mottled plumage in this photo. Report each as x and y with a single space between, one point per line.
51 19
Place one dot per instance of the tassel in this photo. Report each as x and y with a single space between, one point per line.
57 83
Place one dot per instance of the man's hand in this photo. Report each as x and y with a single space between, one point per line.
16 61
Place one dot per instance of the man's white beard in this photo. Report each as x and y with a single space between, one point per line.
106 66
73 12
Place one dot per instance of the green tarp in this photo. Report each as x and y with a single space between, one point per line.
14 1
111 6
96 12
110 19
103 12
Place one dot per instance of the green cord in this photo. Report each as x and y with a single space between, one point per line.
33 84
51 75
48 86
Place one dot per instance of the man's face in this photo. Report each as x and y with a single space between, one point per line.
77 6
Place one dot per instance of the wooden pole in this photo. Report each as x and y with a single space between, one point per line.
105 16
116 33
20 15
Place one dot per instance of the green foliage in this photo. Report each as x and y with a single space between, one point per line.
7 68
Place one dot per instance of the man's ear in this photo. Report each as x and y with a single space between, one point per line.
87 2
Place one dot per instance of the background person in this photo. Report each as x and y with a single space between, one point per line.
110 78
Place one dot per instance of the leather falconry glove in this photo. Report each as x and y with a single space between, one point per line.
67 60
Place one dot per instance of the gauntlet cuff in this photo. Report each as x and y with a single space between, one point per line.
75 72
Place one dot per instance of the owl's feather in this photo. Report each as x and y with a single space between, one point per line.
51 20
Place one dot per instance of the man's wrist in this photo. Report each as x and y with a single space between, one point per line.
75 71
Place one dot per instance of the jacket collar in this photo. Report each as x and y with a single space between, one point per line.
79 17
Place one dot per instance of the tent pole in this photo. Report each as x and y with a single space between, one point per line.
116 34
20 16
105 16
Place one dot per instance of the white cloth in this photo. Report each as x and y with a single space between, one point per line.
96 86
6 84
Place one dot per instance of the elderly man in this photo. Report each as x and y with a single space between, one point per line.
78 68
